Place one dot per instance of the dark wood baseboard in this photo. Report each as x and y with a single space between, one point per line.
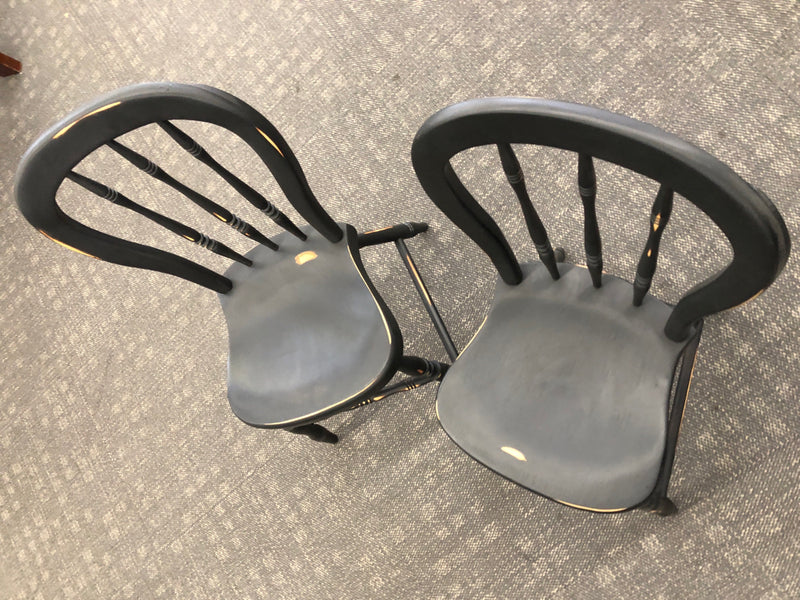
9 66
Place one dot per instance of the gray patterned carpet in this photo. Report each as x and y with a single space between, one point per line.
124 474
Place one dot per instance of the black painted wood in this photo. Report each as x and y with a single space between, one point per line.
390 234
186 232
658 501
196 150
308 333
536 229
587 187
404 385
476 222
220 212
659 217
315 432
565 388
427 299
752 224
59 149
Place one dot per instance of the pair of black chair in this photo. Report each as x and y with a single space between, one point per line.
574 385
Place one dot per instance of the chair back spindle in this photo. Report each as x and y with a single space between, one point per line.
587 187
536 229
248 193
659 217
172 225
220 212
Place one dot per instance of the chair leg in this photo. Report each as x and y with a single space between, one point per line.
658 502
663 507
316 432
560 255
397 234
427 300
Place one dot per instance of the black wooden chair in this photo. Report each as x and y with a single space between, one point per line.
575 384
309 334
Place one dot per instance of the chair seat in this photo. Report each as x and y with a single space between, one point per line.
307 335
565 389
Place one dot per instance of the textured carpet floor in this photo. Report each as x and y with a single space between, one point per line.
123 473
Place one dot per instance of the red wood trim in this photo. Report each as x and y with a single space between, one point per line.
9 66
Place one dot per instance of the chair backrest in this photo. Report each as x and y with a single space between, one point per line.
749 220
56 153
